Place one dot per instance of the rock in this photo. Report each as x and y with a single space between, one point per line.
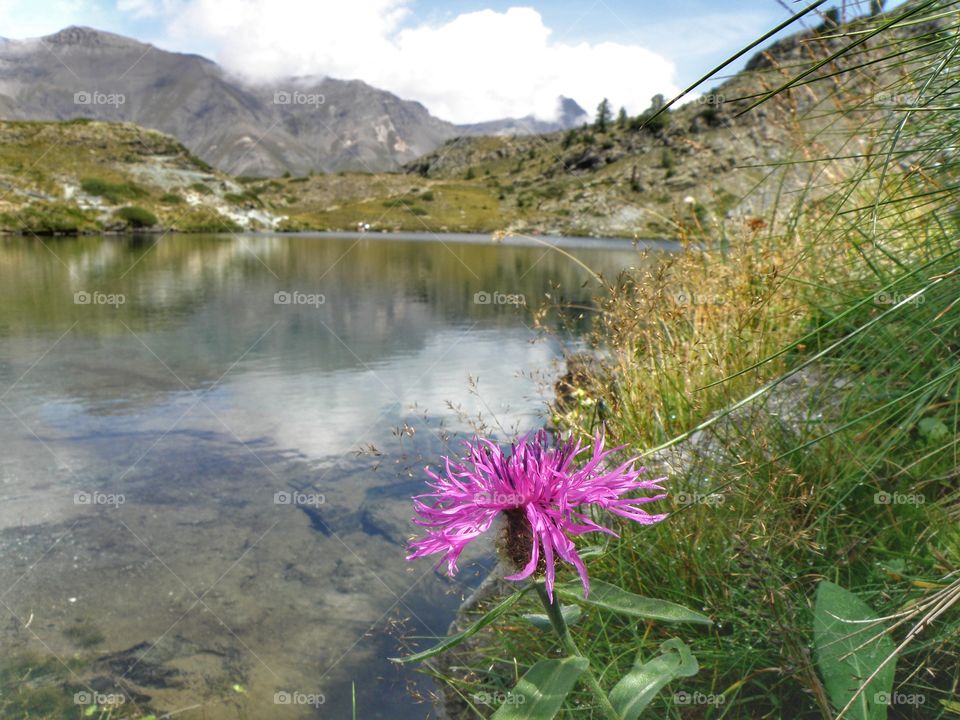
585 160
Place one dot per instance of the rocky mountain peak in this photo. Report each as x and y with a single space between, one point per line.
571 114
77 35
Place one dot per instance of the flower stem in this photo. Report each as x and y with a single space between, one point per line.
570 645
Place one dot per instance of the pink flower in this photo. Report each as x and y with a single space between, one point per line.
542 495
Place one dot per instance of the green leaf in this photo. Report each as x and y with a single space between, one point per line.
841 625
610 597
571 614
454 640
639 686
952 706
542 690
589 551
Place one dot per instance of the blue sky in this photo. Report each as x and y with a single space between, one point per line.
694 34
466 61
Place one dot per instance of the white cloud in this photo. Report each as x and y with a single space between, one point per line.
476 66
147 8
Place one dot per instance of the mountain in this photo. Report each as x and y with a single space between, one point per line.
297 125
293 126
569 115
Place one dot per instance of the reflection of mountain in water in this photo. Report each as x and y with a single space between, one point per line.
207 300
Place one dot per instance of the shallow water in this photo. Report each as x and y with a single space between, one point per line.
204 489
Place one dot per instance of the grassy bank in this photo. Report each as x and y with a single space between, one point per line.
798 381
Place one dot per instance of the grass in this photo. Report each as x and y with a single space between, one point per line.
49 218
112 192
388 202
203 220
798 374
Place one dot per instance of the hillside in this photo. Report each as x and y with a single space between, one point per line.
699 164
702 163
84 176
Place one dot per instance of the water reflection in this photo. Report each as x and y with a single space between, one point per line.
197 377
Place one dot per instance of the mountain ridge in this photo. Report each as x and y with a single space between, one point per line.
296 125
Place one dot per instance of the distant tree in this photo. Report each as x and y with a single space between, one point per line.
876 6
646 119
622 118
604 116
569 138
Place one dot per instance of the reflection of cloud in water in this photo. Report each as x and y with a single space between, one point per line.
323 414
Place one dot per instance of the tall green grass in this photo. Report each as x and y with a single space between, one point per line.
798 380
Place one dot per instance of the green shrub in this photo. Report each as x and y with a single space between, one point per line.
112 192
137 217
667 160
201 188
171 199
398 202
201 164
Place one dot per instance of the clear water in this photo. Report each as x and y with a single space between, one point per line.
204 492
